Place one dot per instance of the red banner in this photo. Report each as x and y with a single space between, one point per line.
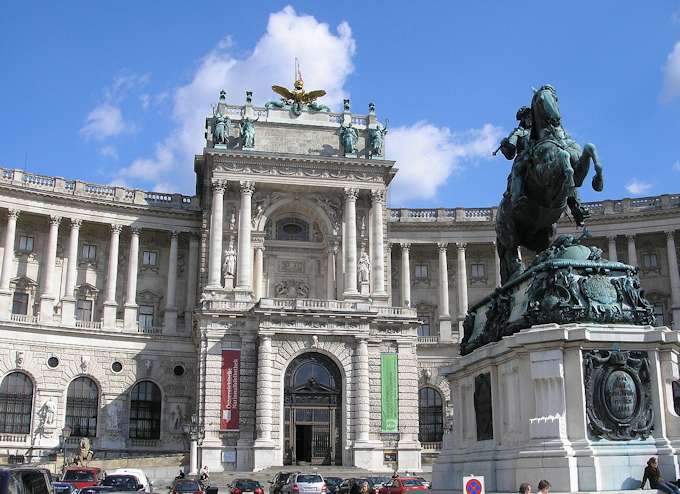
231 368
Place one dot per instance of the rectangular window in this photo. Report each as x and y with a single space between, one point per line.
25 243
658 313
88 252
425 327
421 272
20 303
84 310
478 271
649 261
150 258
145 316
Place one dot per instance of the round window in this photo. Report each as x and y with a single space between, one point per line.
116 366
178 370
53 362
292 229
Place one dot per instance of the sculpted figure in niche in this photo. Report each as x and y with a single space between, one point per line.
230 259
48 412
112 412
364 267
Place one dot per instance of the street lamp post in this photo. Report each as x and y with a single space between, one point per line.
196 433
65 434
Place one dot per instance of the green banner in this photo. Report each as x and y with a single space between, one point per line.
389 392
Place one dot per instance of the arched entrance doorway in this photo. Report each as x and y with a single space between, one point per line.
312 411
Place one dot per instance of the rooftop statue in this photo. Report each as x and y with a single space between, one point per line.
548 168
349 137
376 140
298 100
247 127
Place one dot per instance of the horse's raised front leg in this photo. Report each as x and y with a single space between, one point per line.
583 166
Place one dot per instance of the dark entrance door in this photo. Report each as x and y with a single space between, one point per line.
312 411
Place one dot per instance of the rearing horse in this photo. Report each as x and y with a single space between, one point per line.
555 166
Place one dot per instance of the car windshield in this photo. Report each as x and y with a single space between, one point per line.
333 480
247 485
411 482
79 475
121 482
308 479
187 486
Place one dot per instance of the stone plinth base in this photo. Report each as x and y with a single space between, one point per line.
265 455
368 455
46 308
582 405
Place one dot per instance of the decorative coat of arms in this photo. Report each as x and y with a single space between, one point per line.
618 394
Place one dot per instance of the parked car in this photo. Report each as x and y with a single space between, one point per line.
81 477
401 485
186 486
138 473
63 488
26 480
346 486
278 481
379 482
97 489
333 483
305 483
245 486
426 483
123 482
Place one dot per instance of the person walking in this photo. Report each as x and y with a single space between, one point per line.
653 474
525 488
544 487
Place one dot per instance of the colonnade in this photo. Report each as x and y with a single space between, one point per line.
49 296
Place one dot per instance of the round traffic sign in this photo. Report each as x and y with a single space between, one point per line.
473 486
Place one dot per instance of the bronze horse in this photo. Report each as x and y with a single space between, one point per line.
555 167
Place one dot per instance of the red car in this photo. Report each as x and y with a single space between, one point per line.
403 484
80 477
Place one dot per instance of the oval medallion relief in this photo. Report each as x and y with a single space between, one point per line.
621 395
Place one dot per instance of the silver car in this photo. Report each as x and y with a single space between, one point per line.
305 483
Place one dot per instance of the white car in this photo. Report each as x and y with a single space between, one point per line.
137 473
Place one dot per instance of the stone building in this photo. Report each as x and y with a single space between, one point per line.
283 310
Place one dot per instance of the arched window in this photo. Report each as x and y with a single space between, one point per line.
430 416
145 411
16 403
82 405
292 229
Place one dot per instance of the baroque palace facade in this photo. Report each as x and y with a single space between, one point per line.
283 309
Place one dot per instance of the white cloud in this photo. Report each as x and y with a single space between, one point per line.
672 74
676 166
637 187
326 61
106 120
427 156
109 152
123 84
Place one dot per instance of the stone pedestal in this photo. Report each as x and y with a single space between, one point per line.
110 313
130 316
229 282
265 455
368 455
584 405
68 310
364 288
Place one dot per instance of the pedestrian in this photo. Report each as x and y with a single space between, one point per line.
364 488
653 474
354 486
544 487
525 488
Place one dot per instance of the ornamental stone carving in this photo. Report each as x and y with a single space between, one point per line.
292 289
618 393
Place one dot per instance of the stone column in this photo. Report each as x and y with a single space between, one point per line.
351 240
405 275
216 225
462 285
110 304
632 253
675 277
362 397
497 265
339 280
7 263
263 413
613 257
378 250
171 291
68 303
243 273
444 314
330 273
48 296
258 272
192 281
130 315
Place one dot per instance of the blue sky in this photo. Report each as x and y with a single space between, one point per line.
115 92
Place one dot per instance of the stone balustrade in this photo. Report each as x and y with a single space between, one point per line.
235 112
110 193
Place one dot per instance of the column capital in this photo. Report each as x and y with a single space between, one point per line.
135 230
265 338
378 195
442 246
55 220
247 187
76 223
13 213
405 245
174 234
351 194
630 236
219 185
115 228
461 245
670 234
612 236
259 247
